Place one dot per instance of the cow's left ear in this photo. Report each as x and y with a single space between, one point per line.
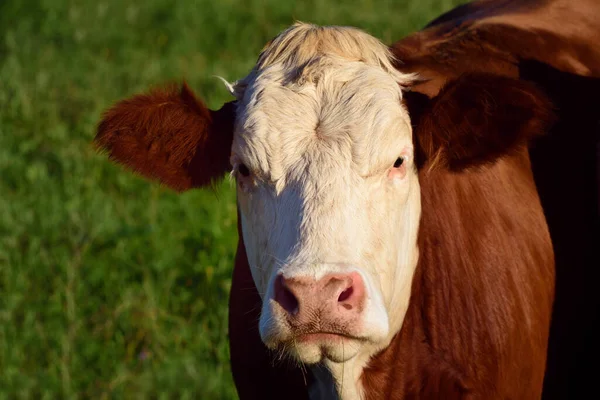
170 136
475 119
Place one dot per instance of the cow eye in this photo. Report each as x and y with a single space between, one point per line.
243 170
398 162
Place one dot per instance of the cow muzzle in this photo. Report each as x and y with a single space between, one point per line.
326 317
334 301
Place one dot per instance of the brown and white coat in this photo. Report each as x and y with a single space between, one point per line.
396 206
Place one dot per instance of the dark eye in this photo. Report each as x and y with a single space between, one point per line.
243 170
398 162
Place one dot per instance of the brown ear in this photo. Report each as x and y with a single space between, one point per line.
477 118
170 136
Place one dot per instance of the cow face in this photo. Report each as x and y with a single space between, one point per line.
322 153
327 192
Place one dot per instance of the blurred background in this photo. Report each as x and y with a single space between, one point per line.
112 287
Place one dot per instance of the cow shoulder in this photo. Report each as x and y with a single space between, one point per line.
494 36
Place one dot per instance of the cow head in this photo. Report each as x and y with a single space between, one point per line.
321 146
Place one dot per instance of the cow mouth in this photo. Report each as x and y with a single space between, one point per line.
324 336
317 346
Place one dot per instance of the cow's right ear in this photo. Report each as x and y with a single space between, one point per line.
170 136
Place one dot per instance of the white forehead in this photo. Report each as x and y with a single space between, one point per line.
321 93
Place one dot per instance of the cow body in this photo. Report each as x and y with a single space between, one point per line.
431 276
552 44
454 342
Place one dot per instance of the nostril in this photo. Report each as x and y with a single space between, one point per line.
345 295
349 289
285 297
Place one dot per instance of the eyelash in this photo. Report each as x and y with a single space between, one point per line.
243 170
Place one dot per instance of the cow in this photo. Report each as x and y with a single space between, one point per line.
400 225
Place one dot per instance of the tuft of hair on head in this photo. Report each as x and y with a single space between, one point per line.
303 49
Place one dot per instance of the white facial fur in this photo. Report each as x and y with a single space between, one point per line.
319 126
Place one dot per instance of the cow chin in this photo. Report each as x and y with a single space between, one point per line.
312 348
321 347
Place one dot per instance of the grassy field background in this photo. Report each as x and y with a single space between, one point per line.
111 287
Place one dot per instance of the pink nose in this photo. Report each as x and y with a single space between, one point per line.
335 297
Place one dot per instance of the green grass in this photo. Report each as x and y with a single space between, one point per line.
111 287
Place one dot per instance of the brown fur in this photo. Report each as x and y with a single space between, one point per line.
552 44
170 136
492 36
